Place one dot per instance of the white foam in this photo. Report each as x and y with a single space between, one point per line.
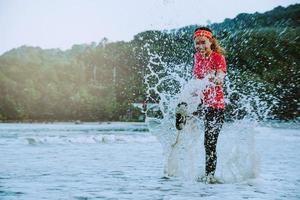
88 139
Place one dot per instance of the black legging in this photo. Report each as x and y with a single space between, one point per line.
213 121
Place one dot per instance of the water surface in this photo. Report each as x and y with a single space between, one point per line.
125 161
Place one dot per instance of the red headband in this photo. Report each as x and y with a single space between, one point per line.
202 33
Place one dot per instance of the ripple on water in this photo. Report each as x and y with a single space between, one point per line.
4 193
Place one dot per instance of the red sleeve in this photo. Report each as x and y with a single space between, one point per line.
197 72
220 63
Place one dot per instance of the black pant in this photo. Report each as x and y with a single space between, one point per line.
213 121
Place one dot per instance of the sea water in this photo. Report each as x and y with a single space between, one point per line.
125 161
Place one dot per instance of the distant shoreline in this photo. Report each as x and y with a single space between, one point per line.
110 122
67 122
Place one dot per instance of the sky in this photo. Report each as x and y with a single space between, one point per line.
63 23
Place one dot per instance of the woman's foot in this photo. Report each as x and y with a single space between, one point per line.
209 179
181 114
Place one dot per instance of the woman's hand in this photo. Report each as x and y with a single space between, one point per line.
211 76
219 79
216 78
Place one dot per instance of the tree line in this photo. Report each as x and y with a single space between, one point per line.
100 81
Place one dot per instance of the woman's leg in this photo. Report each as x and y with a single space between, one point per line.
213 121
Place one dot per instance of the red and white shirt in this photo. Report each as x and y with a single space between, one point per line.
213 96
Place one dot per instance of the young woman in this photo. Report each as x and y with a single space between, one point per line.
209 62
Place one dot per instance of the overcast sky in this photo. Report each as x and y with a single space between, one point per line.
62 23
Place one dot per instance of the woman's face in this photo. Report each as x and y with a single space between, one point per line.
202 44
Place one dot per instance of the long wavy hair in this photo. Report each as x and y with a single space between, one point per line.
215 46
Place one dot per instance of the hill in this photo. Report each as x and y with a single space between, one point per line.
100 81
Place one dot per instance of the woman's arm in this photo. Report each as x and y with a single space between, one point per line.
221 69
219 78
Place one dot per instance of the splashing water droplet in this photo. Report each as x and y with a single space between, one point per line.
167 85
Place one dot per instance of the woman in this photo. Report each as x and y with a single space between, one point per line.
209 62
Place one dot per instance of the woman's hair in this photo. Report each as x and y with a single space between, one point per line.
215 46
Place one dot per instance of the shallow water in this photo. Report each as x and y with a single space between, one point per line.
125 161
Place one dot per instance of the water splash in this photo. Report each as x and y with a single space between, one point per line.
167 85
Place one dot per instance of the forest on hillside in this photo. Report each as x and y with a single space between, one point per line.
100 81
